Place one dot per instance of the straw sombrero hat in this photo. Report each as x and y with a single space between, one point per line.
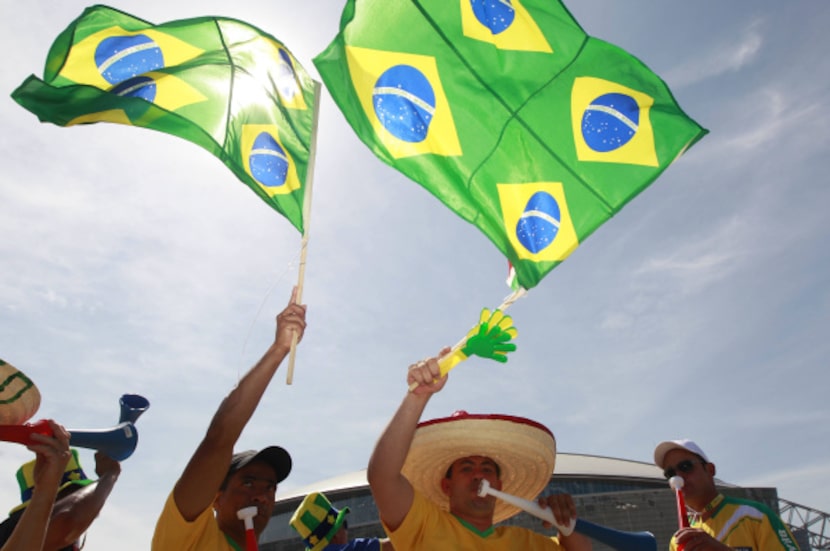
19 397
524 450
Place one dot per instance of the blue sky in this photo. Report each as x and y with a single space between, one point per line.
135 262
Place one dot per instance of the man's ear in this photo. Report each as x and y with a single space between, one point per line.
710 468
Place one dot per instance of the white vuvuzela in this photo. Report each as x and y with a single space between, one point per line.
531 507
247 515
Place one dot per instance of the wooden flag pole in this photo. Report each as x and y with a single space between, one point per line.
289 376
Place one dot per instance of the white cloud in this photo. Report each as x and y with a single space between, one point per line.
720 58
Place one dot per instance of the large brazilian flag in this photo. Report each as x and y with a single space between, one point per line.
507 112
220 83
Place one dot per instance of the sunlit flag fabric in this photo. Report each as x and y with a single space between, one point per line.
220 83
509 113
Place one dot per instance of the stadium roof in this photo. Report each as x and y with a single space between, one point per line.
567 465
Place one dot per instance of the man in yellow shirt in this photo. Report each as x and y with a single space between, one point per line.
718 522
201 512
425 477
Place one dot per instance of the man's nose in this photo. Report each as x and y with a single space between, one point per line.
260 495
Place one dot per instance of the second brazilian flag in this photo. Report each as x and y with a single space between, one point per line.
507 112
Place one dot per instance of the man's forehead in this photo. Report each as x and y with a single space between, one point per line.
475 460
678 453
257 470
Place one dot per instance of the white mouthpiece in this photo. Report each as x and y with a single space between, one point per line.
246 515
676 483
531 507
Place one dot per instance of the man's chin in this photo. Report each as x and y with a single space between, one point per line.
260 525
482 503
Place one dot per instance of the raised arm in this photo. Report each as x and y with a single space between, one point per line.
52 456
73 514
196 488
392 492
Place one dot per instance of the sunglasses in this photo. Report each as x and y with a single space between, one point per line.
685 466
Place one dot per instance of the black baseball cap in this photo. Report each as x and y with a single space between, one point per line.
275 456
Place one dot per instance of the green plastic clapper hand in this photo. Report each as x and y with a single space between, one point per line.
489 339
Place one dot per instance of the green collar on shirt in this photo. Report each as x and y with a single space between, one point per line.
713 506
232 543
475 530
710 510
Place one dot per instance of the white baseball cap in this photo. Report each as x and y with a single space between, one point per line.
665 447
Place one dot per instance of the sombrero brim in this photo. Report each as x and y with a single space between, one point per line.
524 450
19 397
